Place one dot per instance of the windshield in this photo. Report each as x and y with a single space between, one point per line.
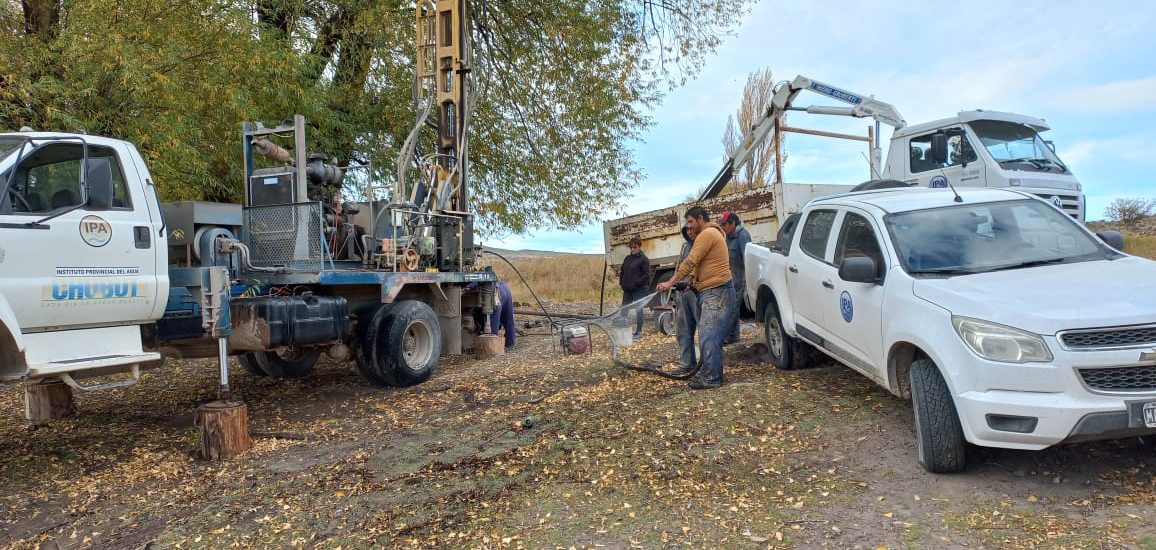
1017 146
976 238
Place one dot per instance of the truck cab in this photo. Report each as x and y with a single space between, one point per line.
986 149
82 255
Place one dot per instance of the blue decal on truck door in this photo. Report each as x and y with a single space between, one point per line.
846 307
938 182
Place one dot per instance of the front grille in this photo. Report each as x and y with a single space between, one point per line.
1070 204
1109 337
1130 379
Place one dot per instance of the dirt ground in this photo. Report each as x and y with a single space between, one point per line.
538 450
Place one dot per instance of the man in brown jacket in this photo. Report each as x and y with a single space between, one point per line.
709 264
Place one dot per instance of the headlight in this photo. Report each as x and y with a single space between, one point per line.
1000 343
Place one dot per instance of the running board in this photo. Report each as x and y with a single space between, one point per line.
65 368
67 378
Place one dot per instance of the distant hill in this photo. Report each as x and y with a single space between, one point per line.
511 254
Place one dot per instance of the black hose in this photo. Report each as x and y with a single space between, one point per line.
528 287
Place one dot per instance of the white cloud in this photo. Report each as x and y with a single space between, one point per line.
1118 96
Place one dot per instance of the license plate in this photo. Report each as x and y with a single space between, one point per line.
1150 415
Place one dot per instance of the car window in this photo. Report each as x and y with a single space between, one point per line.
813 239
857 238
49 179
959 151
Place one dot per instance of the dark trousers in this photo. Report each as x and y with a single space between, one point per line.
686 321
631 296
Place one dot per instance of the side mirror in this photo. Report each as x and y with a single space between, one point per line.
859 269
939 147
99 184
1113 239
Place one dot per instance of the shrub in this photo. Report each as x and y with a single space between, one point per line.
1128 211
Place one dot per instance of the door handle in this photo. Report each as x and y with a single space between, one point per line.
142 237
829 284
793 269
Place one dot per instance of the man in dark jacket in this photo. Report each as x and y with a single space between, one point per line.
634 278
737 239
686 315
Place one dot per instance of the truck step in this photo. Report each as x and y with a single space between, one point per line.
89 363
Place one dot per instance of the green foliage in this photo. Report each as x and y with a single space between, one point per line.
562 85
1129 210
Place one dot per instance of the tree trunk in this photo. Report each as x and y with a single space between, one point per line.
489 345
224 429
42 18
44 402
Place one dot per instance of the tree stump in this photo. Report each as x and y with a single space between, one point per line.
224 427
48 401
489 345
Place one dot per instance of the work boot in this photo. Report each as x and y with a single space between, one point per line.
683 370
637 335
697 383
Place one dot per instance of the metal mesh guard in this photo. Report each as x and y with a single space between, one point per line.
284 234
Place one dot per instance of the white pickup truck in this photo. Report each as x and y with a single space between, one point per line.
1005 321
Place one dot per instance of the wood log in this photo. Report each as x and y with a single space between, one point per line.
489 345
48 401
224 427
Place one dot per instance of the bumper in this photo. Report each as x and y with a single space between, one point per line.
1033 421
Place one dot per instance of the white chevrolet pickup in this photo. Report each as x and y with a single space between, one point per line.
1006 322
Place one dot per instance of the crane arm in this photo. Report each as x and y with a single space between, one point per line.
781 102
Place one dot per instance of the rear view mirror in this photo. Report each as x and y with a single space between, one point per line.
859 269
98 187
939 147
1113 239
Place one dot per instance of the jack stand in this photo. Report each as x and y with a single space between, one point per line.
488 345
224 423
48 400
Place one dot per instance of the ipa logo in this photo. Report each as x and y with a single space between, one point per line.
95 231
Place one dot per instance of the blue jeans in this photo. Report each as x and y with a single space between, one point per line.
740 296
718 311
686 322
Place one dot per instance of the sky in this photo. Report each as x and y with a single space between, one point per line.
1088 68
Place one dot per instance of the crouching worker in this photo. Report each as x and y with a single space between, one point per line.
503 315
709 265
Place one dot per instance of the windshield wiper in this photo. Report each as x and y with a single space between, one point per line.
1029 263
1032 161
943 271
1059 165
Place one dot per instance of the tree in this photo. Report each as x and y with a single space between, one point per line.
757 96
562 85
1130 210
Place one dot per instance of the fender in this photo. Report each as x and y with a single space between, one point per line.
12 362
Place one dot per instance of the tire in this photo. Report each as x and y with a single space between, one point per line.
250 364
289 363
939 440
663 297
665 323
786 353
402 345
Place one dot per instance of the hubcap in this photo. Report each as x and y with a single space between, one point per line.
417 345
775 337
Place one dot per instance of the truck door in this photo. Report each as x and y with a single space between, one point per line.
854 317
962 168
809 273
83 267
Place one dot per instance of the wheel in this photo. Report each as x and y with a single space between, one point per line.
250 364
666 323
939 439
402 344
288 363
663 297
786 352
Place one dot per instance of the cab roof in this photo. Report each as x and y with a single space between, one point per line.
1038 124
920 198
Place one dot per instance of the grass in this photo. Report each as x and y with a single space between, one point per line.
1140 245
565 277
